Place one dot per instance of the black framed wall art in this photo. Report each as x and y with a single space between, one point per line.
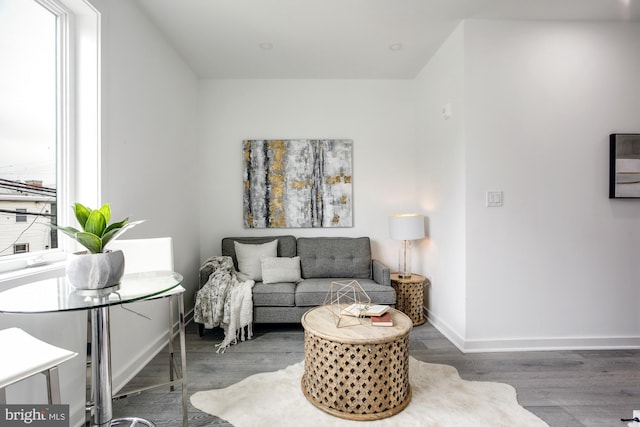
624 165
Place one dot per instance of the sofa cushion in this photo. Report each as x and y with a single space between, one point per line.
280 269
335 257
274 294
250 257
286 245
313 292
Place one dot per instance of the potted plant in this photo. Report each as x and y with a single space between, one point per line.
96 267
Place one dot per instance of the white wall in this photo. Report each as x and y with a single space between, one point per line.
555 266
149 133
149 149
379 116
441 190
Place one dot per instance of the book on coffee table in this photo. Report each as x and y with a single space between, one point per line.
384 320
361 310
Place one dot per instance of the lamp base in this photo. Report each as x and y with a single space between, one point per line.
404 259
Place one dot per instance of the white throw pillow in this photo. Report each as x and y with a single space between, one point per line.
280 269
250 256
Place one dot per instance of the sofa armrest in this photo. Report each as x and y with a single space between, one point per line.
205 272
381 273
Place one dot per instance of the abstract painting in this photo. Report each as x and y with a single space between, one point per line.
624 165
297 183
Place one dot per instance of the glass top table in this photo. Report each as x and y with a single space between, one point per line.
57 294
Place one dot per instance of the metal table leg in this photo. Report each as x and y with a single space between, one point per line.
101 366
183 359
101 374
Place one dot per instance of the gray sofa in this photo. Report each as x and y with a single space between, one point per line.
322 260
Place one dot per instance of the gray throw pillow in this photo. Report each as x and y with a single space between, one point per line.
250 257
280 269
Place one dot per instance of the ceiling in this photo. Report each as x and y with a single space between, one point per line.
340 39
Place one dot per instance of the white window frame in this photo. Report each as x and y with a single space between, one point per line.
21 214
20 245
78 132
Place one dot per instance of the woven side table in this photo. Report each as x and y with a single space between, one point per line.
410 296
358 372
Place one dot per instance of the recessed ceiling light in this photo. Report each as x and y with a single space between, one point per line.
266 46
395 47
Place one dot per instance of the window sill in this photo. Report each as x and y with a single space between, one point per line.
11 279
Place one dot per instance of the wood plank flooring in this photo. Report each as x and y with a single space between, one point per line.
564 388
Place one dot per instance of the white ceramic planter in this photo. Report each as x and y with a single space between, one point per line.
95 271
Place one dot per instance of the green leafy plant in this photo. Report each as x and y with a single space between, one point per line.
96 232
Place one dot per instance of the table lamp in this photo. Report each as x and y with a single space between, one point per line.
406 227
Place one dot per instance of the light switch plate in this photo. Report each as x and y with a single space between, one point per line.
494 199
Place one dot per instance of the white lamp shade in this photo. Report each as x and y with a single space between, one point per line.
406 226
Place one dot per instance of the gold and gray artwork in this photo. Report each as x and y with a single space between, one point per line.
297 183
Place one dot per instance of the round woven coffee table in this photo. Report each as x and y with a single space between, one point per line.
359 371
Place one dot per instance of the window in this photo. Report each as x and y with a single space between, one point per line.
20 248
59 124
21 215
29 83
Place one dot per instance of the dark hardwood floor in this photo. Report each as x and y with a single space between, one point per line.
564 388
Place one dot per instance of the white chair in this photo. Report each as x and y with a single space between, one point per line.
23 356
153 255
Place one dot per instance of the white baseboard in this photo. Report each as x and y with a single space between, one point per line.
444 328
532 344
551 344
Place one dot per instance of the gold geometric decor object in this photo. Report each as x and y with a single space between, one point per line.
341 295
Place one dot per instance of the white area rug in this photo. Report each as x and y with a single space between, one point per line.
440 399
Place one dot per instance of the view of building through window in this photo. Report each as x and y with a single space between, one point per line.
28 150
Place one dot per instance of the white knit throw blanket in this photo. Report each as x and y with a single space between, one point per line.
226 302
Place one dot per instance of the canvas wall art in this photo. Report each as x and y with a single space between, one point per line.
297 183
624 165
